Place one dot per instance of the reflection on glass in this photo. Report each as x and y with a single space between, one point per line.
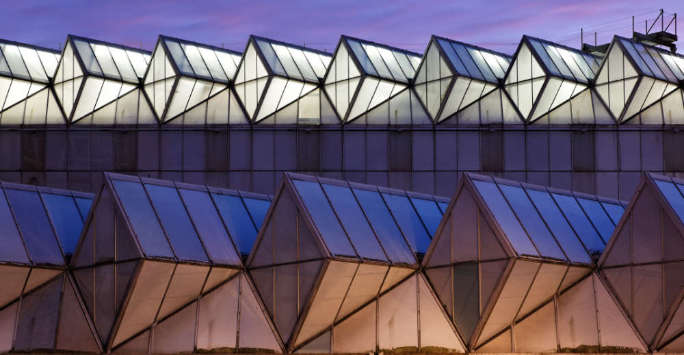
257 209
592 241
324 218
12 247
505 217
237 220
614 210
408 221
84 205
443 206
673 196
598 216
429 212
66 218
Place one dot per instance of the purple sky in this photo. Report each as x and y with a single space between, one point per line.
319 23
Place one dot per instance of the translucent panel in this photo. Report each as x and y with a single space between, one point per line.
598 217
303 64
287 61
408 221
33 64
35 227
559 226
13 279
377 61
316 63
467 60
392 64
384 225
177 333
397 317
615 329
464 291
271 58
195 59
176 223
123 64
324 218
38 318
537 333
649 61
142 218
673 196
503 214
494 64
217 326
482 65
210 227
354 222
13 58
546 59
560 64
636 57
185 286
66 218
88 57
364 287
105 60
255 332
49 61
545 285
257 209
12 245
453 57
591 239
179 58
528 215
435 329
362 57
429 213
356 334
229 63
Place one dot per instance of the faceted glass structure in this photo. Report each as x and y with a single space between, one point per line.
505 248
455 75
329 247
636 79
279 83
369 83
546 76
189 83
39 307
153 259
643 264
92 75
25 94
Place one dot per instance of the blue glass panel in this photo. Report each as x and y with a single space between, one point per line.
179 57
142 218
579 221
546 60
467 60
176 222
614 210
453 58
503 214
598 216
210 227
362 57
642 67
354 222
443 206
257 209
533 223
237 220
66 218
409 222
12 247
559 226
673 196
429 212
84 205
35 227
324 218
383 223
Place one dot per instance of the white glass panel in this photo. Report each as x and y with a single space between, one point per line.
494 64
482 64
272 97
271 58
50 62
560 64
363 98
303 64
229 62
201 92
105 60
180 97
179 57
544 55
293 90
392 64
139 62
406 66
88 98
18 91
195 60
571 60
377 61
110 92
13 58
287 61
123 64
316 63
33 64
212 63
362 57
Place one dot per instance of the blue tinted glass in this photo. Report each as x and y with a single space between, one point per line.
673 196
614 210
237 220
467 60
503 214
35 227
559 226
453 58
12 247
210 227
443 206
354 222
429 212
409 222
176 223
142 218
381 220
599 217
362 57
533 223
578 220
257 209
324 218
66 218
84 205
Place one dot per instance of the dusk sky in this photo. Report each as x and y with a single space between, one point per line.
407 24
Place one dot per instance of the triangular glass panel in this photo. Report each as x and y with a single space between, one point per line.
73 332
364 287
398 317
614 327
13 279
255 332
217 326
356 334
186 285
175 334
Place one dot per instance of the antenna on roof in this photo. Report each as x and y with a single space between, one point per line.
665 37
594 49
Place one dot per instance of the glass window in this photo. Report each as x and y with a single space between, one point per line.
392 64
636 57
592 241
84 206
324 218
482 64
560 64
257 209
453 57
532 222
196 61
66 218
383 223
406 66
303 64
142 218
377 61
212 63
35 227
354 222
12 247
598 216
179 58
429 212
649 61
105 60
362 57
503 214
88 58
176 223
614 210
237 220
287 61
559 226
271 58
123 64
32 62
673 196
408 221
467 60
15 62
494 64
548 63
443 206
210 227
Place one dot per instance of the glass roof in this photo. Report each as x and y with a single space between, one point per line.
27 62
550 224
475 62
293 61
110 60
383 61
564 62
202 61
672 190
363 221
653 61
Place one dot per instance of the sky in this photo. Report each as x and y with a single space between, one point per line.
494 24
